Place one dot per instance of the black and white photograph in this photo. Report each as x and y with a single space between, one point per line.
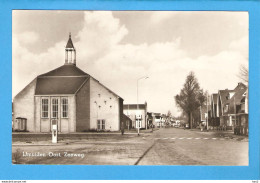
130 87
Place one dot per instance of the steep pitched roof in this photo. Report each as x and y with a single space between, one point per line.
69 43
224 94
236 99
66 79
66 70
58 85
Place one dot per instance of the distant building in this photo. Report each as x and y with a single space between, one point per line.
157 120
75 99
137 113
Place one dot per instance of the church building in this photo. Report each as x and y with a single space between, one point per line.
75 99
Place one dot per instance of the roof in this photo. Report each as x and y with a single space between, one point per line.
134 106
215 98
126 117
66 79
58 85
69 43
224 94
66 70
236 99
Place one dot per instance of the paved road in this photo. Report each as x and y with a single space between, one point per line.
166 146
186 147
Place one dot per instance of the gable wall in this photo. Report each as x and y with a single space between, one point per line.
110 114
23 105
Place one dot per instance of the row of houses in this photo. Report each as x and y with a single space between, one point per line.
228 109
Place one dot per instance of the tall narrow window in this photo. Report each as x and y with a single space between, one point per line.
99 124
103 124
55 107
64 107
45 108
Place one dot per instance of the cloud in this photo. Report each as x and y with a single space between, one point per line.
27 37
118 66
27 65
160 16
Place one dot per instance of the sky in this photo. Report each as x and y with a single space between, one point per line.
119 47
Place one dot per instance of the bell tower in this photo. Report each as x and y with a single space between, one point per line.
70 52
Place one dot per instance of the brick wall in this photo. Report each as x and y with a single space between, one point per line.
83 108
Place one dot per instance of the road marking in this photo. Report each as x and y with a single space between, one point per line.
189 138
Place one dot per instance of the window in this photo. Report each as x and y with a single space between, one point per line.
226 108
101 124
45 108
64 107
55 107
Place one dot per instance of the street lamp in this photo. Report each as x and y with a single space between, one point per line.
138 125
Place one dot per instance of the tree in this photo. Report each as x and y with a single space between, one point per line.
169 114
191 97
243 74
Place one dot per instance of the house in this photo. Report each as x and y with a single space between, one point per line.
137 113
227 104
241 126
158 120
213 118
223 97
78 101
150 119
163 120
214 100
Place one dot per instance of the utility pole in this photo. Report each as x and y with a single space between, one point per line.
207 119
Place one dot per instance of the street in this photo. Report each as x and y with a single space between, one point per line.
166 146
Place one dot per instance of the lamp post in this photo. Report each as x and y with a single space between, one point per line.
138 124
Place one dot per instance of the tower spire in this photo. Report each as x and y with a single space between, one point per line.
70 52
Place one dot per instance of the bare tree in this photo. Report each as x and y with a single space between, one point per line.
243 74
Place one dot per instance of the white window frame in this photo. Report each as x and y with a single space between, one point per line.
43 107
52 108
64 107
